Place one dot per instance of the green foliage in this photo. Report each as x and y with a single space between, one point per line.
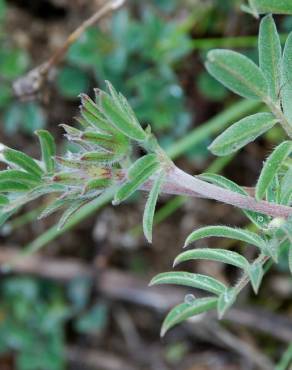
198 281
269 6
35 314
241 133
270 83
139 57
272 167
238 73
105 162
14 62
187 310
270 55
150 207
286 94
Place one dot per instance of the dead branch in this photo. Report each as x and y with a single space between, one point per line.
30 85
121 286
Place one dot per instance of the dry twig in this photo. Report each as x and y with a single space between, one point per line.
32 84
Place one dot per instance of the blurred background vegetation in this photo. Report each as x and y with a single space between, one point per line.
83 302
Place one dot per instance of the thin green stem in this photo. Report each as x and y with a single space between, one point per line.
213 126
54 232
286 359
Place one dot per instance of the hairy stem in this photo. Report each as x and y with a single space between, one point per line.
204 189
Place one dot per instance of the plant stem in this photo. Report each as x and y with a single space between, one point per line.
193 184
277 111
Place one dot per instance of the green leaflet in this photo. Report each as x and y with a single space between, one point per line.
19 176
72 209
127 189
10 186
119 119
68 178
34 194
3 200
225 301
273 191
259 219
271 167
213 254
270 55
226 232
139 166
286 88
238 73
97 184
256 274
53 207
241 133
184 311
150 207
23 161
286 189
92 116
290 257
71 131
273 6
198 281
48 148
99 157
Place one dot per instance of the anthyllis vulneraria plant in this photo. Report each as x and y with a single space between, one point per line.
108 131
